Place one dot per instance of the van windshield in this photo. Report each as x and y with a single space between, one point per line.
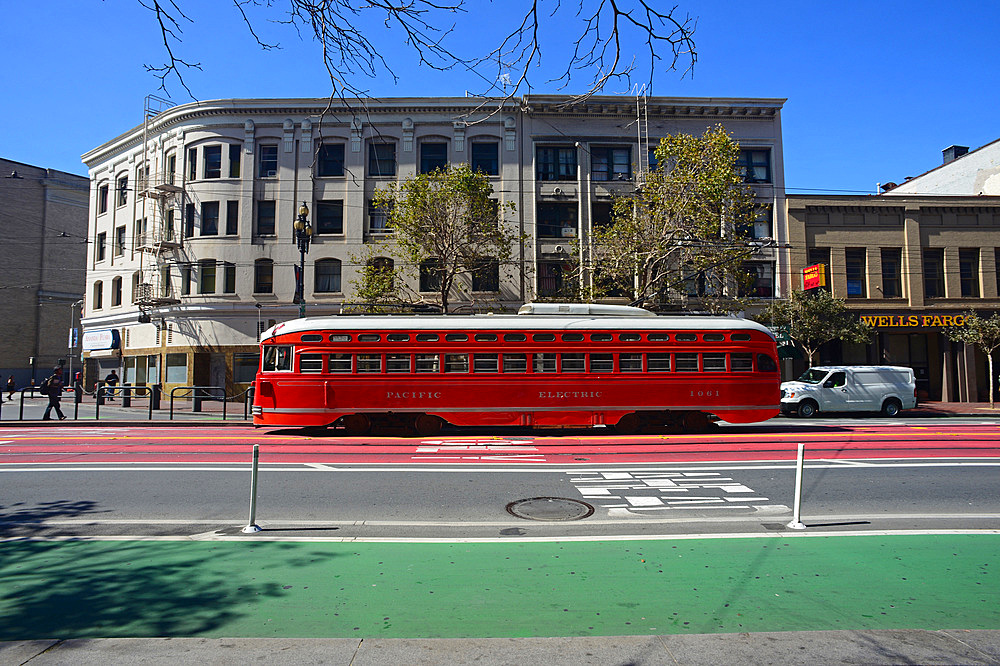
811 376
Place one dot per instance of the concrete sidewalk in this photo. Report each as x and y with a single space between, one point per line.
805 647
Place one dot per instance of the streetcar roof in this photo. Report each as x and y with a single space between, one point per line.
489 322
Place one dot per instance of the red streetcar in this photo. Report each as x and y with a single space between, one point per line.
552 364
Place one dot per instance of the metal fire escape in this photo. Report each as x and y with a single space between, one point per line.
159 234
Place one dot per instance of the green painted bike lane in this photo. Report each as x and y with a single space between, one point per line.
247 588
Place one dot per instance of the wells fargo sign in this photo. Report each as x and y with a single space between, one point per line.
814 276
920 321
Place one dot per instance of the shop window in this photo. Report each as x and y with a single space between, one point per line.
245 367
177 369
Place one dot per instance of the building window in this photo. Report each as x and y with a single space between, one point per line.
165 291
934 273
486 157
854 264
550 278
189 220
265 218
556 163
600 214
206 276
232 218
176 369
892 272
330 160
210 218
235 155
327 276
386 267
759 227
192 163
116 292
487 276
378 219
755 165
119 241
168 226
557 220
610 163
102 241
268 165
121 188
430 275
102 198
98 298
381 159
329 217
968 272
821 255
213 161
185 279
760 280
996 270
433 156
229 278
263 276
136 296
245 368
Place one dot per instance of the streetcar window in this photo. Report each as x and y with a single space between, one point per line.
687 337
572 337
427 337
766 364
514 337
369 363
741 362
658 337
486 337
629 337
340 337
456 337
311 362
713 362
544 337
277 358
397 363
602 362
740 337
630 362
544 363
312 337
428 362
338 362
572 363
713 337
658 362
601 337
398 337
687 362
515 362
369 337
485 363
456 362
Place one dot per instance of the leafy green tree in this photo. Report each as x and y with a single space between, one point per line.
983 333
447 224
812 320
677 235
376 289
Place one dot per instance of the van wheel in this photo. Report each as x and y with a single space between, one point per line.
891 408
807 409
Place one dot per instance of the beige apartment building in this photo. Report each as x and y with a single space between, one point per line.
192 248
910 265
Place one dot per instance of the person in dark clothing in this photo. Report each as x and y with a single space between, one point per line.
11 387
55 390
112 381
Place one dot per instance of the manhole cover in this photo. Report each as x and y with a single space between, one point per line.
550 508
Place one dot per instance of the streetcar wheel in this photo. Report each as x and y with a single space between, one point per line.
628 424
695 422
356 424
891 408
426 425
807 409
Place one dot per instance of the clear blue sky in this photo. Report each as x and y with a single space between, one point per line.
874 91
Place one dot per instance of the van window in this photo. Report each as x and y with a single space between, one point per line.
836 380
812 376
868 378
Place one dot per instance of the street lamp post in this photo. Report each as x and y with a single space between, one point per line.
303 234
73 335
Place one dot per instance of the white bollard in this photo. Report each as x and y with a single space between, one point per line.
252 524
797 524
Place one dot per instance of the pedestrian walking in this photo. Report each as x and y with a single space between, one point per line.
11 387
112 381
53 388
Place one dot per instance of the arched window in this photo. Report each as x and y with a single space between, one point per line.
384 266
327 272
430 274
97 302
116 291
263 276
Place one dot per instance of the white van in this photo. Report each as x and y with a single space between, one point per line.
850 388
